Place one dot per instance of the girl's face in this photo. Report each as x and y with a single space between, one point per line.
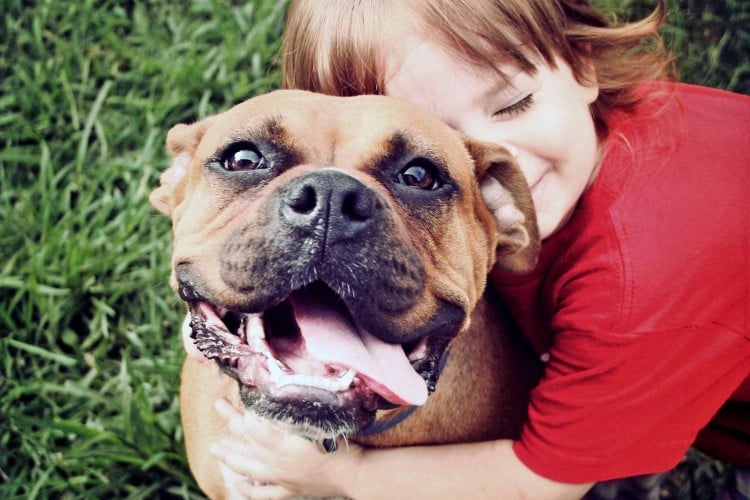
545 117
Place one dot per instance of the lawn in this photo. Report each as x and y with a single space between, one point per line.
89 351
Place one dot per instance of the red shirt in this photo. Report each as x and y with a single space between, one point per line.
640 302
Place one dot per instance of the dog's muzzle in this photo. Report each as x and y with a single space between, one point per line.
312 342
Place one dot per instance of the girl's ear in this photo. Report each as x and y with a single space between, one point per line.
508 198
587 71
182 141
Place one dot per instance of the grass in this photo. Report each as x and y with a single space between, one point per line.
709 38
89 351
89 354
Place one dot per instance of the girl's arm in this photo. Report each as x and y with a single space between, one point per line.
275 464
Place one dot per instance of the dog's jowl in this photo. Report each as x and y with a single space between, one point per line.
333 254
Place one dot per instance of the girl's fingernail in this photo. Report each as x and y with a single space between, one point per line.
512 150
223 409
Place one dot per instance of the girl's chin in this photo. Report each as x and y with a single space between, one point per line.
550 224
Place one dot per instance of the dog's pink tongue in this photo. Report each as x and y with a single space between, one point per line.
331 338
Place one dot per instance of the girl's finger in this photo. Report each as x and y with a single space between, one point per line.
232 417
263 491
246 425
233 456
225 410
245 475
511 149
233 481
263 432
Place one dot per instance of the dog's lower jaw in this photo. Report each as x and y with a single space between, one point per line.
305 405
321 416
311 419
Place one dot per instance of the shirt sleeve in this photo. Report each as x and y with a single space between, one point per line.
620 405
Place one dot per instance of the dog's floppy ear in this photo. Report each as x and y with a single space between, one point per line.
508 198
182 141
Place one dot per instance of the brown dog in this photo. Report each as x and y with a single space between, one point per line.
332 252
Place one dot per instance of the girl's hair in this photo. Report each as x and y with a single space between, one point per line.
340 47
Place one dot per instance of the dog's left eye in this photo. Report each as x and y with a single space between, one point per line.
244 157
420 175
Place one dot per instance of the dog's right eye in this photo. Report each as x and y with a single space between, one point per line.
243 157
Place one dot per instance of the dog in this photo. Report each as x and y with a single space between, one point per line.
333 255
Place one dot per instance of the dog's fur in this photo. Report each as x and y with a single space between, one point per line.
407 260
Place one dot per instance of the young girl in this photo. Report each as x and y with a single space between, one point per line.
639 305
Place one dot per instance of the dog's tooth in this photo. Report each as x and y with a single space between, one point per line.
311 381
294 379
419 352
242 328
284 380
254 327
329 384
274 368
256 344
345 380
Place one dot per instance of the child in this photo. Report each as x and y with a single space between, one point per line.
639 305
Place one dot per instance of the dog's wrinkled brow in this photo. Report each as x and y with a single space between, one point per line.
269 133
268 129
402 146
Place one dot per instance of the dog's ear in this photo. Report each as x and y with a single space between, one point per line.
182 141
508 198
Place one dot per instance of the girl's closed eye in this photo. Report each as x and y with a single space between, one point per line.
516 108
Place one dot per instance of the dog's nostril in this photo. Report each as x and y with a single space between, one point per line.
303 200
357 207
329 201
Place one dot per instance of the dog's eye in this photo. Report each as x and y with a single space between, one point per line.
420 175
244 157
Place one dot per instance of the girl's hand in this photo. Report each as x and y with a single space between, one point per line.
261 461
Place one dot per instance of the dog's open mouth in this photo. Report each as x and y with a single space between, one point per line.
309 348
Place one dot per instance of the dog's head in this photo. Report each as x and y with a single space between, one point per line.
329 249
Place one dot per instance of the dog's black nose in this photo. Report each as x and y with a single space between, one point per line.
329 203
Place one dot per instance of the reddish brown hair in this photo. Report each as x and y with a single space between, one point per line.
339 46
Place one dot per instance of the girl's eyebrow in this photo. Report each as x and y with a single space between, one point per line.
499 86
